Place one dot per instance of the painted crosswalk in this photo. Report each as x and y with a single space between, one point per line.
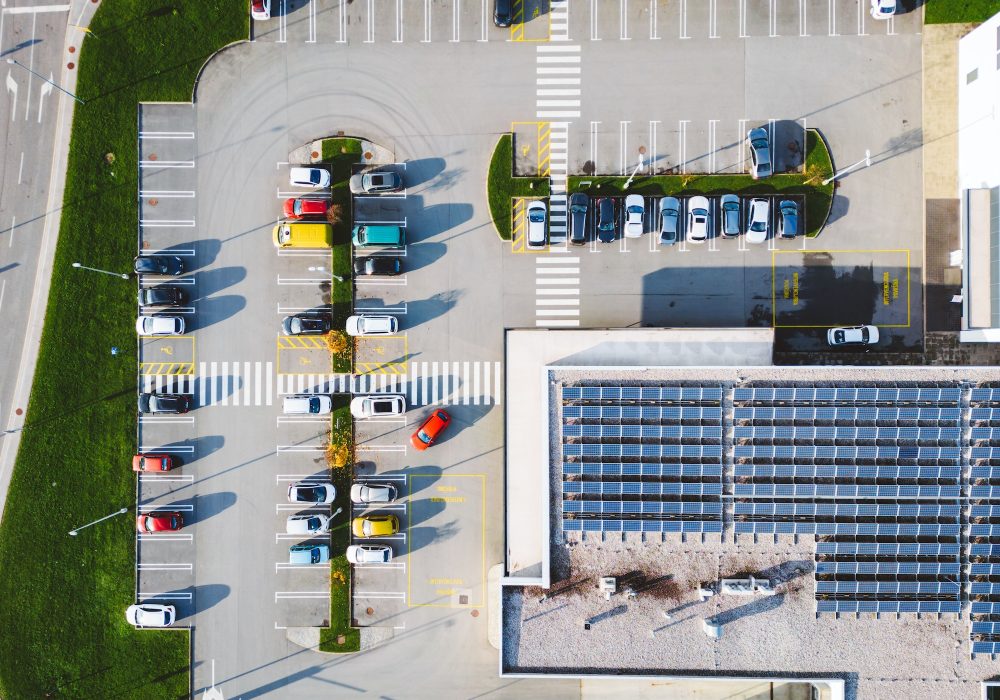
559 20
257 384
558 172
557 90
557 291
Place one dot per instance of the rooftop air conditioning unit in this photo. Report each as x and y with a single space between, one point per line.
609 586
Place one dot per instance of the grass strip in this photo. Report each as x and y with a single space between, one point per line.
341 438
819 197
64 597
959 11
501 186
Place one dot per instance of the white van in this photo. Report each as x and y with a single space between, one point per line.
308 404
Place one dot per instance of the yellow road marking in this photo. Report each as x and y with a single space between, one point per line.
165 368
301 342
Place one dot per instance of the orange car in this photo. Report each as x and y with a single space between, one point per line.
152 463
431 428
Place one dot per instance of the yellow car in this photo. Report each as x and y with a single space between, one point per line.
375 526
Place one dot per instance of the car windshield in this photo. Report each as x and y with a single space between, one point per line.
838 336
311 493
382 406
314 405
423 437
312 523
284 233
757 226
536 216
864 334
314 176
578 208
297 207
635 209
732 219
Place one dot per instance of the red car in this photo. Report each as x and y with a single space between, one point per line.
298 208
152 463
431 428
159 522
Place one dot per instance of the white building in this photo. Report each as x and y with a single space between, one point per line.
979 180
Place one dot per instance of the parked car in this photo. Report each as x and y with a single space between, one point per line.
151 615
312 492
164 403
378 405
502 13
578 205
305 324
698 219
164 521
788 218
375 182
309 177
536 224
378 525
158 265
159 325
308 554
377 265
152 463
161 295
429 431
607 220
758 220
371 325
883 9
730 205
852 335
307 404
308 524
635 210
373 493
760 153
260 9
669 208
300 208
369 554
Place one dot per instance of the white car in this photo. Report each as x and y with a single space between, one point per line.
371 325
852 335
369 554
758 220
307 404
373 493
151 615
159 325
260 9
312 492
378 405
883 9
536 224
309 177
697 223
310 524
635 209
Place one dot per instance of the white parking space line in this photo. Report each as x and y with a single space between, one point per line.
166 537
861 20
179 449
455 21
166 163
743 34
148 135
300 448
149 508
803 26
683 20
149 420
399 22
370 23
181 478
283 22
427 22
713 19
299 595
682 144
742 134
165 566
593 21
831 8
166 194
623 20
342 21
890 25
711 145
380 595
380 448
147 596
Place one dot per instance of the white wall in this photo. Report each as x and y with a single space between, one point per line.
979 108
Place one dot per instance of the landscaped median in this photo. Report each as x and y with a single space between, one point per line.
818 197
502 187
62 598
340 636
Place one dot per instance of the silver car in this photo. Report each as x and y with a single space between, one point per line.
758 144
730 215
758 220
698 219
374 182
670 209
373 493
788 218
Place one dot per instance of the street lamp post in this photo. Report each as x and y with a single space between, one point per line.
96 269
74 532
15 62
631 177
866 161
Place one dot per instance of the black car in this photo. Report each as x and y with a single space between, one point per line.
164 403
578 205
305 324
502 16
159 265
161 296
607 220
377 265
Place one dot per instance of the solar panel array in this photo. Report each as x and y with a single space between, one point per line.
984 520
873 472
644 458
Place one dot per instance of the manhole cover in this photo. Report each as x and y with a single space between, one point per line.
368 155
642 149
314 155
463 600
71 65
153 202
369 611
153 156
475 613
19 411
72 49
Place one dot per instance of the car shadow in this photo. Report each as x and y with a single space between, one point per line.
420 537
205 253
186 452
202 506
216 309
422 170
209 282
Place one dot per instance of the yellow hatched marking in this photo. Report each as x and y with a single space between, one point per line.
379 368
519 225
301 342
544 134
517 21
163 368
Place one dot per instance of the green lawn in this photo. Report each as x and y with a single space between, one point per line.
63 598
818 197
948 11
340 537
502 185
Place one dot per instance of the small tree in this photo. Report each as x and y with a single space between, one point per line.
338 342
337 456
335 214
